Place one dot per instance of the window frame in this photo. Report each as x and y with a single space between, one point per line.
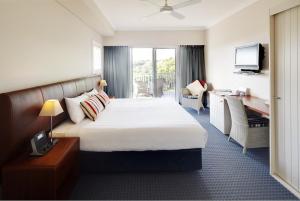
97 71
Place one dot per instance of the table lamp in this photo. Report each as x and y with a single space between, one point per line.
51 108
103 84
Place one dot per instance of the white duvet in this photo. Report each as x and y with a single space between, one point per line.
137 125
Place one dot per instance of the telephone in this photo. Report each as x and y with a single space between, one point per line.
41 144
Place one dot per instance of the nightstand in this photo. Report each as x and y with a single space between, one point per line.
48 177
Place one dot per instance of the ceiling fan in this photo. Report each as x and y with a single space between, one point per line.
168 9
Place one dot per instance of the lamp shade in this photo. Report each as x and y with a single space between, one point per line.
103 83
51 108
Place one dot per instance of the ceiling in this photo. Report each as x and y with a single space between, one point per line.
127 15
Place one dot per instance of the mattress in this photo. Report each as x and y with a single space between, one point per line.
137 125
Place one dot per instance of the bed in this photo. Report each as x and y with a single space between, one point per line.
139 126
135 134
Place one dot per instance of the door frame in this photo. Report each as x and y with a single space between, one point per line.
286 5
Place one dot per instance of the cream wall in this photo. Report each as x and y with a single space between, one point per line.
42 42
247 26
155 38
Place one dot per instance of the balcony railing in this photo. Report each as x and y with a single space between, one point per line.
165 82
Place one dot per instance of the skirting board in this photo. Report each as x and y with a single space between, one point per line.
286 185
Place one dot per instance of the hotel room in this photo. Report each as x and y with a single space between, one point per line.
149 99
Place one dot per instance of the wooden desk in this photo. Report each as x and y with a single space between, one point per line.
257 105
252 103
220 114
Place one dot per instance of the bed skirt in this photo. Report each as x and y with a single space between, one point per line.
141 161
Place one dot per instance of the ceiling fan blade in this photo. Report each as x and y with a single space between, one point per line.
151 3
186 3
177 15
147 16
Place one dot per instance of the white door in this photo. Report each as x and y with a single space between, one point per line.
287 94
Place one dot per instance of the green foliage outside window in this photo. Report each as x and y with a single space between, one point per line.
143 71
145 67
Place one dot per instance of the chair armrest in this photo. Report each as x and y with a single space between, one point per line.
205 87
200 95
185 91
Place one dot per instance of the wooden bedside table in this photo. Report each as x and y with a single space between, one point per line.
48 177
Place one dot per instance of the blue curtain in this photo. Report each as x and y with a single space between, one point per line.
190 66
117 71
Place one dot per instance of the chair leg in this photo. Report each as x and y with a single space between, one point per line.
244 150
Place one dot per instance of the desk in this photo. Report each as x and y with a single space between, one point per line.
219 111
257 105
252 103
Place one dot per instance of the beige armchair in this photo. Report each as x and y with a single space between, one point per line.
192 102
250 132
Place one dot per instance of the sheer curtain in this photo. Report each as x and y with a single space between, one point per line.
190 66
117 71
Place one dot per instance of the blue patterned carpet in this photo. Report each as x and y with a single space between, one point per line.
227 174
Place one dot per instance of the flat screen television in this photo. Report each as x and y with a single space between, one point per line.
249 57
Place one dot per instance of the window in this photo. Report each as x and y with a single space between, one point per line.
154 72
97 58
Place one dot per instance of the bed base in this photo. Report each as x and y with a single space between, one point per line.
141 161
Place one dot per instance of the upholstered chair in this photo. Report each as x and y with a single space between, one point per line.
248 132
187 100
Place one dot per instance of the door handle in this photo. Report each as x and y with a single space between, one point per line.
277 98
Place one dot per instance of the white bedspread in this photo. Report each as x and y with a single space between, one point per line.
137 125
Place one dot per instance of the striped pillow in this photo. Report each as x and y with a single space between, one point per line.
102 100
104 97
92 107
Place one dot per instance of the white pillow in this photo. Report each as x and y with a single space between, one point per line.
195 88
73 106
92 93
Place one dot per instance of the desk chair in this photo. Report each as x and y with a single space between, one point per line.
250 132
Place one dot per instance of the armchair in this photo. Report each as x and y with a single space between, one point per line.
194 102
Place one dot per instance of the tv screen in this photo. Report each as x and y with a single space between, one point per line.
248 57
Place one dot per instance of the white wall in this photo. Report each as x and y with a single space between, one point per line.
247 26
155 38
41 43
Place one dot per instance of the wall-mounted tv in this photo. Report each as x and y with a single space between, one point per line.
249 57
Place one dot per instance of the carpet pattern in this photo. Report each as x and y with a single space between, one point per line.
227 174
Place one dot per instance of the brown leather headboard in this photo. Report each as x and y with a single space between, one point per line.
19 111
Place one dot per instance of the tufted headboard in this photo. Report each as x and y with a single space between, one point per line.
19 111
